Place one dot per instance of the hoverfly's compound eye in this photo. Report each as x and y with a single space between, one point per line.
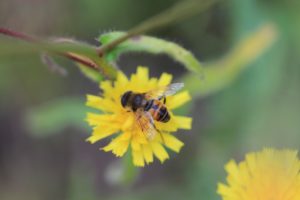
124 98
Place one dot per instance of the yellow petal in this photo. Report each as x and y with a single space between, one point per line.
125 136
128 123
232 168
159 151
135 145
183 122
118 146
100 103
152 84
251 161
107 88
172 142
139 80
175 123
121 148
101 132
138 159
178 100
223 189
148 154
170 126
121 78
165 79
120 86
96 119
143 73
140 136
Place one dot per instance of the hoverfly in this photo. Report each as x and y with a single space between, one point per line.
150 106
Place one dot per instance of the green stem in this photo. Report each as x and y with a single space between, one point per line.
130 171
178 12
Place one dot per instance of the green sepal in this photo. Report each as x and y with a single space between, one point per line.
151 45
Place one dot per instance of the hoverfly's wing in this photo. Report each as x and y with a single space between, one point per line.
146 123
164 91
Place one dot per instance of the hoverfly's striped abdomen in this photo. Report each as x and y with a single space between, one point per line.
158 110
163 115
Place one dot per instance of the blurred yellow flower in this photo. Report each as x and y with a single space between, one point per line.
117 122
267 175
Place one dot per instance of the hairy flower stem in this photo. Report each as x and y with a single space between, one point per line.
18 35
32 39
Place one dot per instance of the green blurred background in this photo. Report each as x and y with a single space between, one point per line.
43 153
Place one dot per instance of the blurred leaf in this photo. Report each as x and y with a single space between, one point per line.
151 45
52 65
90 73
220 74
54 116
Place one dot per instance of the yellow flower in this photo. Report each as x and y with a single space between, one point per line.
115 121
267 175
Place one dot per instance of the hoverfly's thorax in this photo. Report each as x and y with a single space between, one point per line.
137 101
148 105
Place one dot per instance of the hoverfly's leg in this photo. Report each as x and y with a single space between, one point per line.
164 99
161 135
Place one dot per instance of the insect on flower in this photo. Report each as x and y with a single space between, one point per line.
137 116
150 106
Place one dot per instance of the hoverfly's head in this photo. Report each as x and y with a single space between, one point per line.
125 98
137 101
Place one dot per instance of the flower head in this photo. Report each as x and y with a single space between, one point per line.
267 175
117 122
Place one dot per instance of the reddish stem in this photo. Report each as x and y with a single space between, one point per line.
80 60
15 34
